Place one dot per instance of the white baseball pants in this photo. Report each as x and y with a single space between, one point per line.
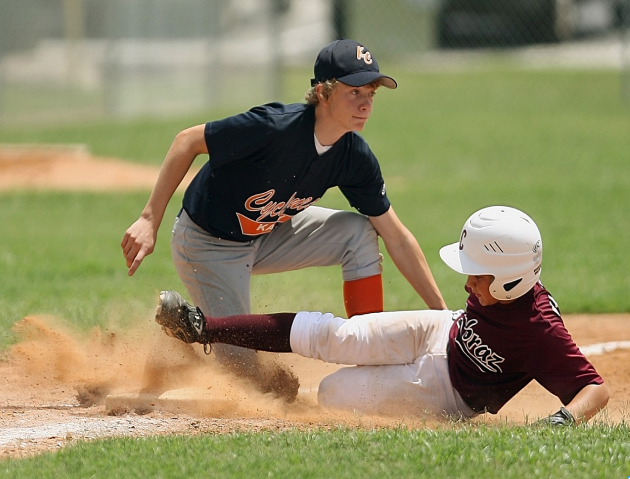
401 357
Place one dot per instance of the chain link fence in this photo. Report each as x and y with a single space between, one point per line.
68 59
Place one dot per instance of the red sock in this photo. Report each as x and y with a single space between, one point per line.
362 296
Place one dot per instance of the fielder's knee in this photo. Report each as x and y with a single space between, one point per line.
362 257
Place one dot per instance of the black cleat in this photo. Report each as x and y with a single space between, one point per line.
181 320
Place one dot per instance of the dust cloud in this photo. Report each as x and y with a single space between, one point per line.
143 358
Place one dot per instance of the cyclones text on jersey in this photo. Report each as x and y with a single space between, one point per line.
262 203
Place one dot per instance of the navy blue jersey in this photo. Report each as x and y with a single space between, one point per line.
495 351
263 169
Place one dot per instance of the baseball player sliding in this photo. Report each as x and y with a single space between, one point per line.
460 363
250 209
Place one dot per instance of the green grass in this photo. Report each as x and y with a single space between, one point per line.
461 451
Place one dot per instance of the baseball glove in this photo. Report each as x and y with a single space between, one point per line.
561 418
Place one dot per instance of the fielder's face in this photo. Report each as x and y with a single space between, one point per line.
350 107
480 286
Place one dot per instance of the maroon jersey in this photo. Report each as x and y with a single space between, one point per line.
495 351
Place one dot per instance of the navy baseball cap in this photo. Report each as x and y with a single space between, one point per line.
350 63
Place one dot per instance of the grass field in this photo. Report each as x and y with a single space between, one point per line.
464 452
553 143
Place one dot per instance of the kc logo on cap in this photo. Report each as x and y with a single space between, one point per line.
366 56
349 62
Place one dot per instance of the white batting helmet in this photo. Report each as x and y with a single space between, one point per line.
499 241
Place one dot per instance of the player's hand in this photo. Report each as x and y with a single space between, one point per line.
138 242
561 418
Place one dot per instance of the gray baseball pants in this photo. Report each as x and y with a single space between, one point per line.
217 272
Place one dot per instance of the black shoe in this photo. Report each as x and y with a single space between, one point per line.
179 319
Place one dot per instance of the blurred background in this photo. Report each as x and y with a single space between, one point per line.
131 58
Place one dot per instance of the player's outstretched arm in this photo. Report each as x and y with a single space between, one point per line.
408 257
139 239
589 401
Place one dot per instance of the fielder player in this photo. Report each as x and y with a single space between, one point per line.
460 363
250 209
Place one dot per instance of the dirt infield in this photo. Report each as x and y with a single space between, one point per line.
70 168
53 383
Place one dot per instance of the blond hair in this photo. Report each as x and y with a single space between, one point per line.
312 98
